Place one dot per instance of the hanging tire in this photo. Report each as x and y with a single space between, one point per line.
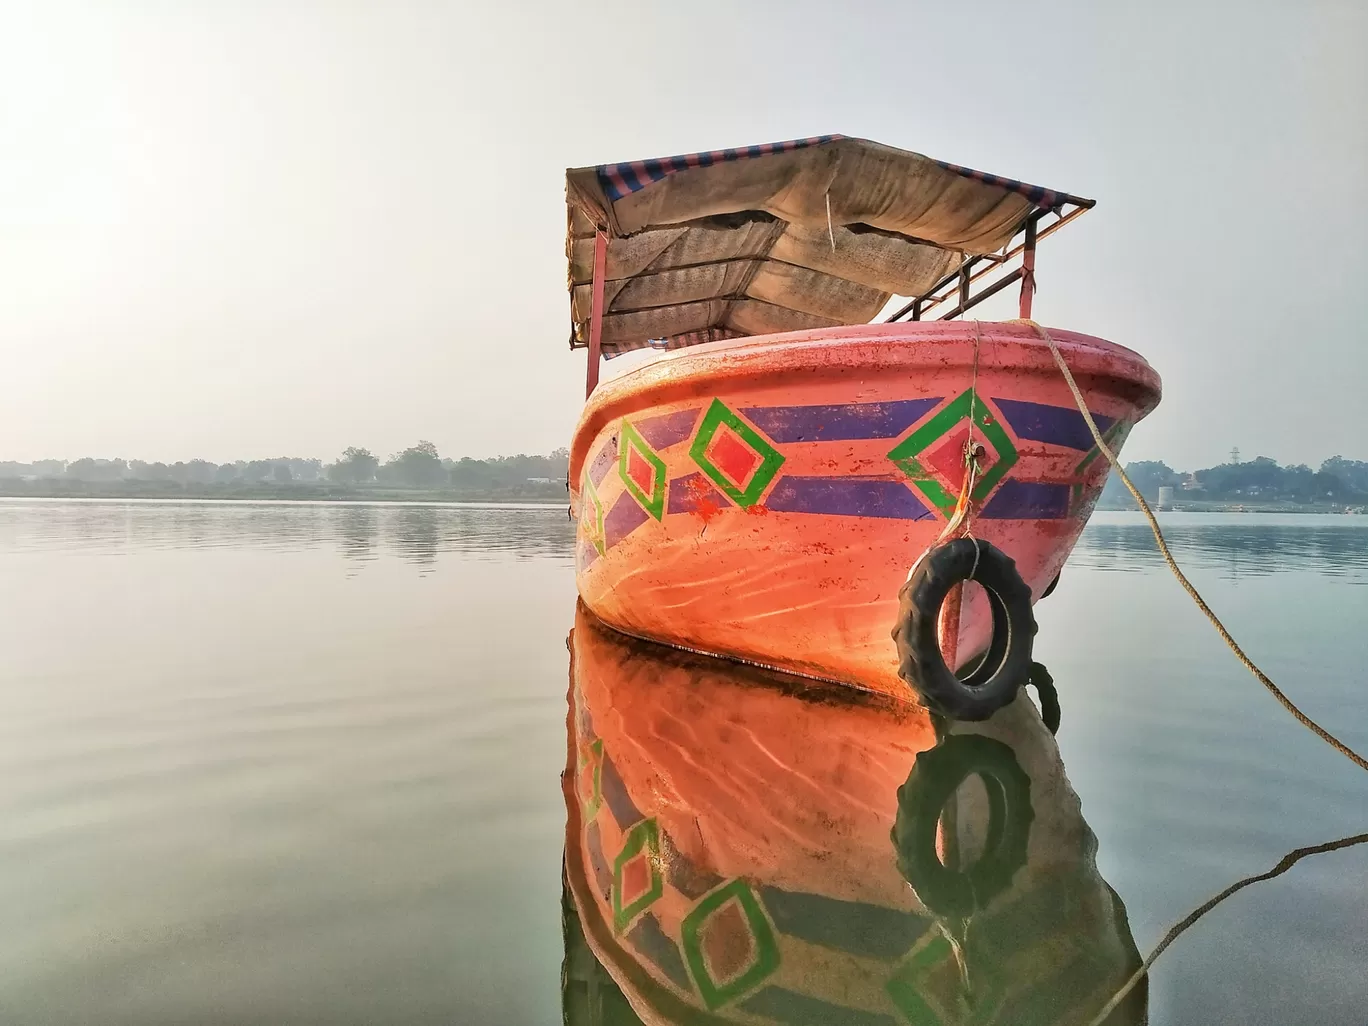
935 777
1006 667
1050 589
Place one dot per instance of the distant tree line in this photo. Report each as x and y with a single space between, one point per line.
418 468
421 466
282 470
1338 481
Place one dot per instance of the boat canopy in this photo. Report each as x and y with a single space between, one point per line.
809 233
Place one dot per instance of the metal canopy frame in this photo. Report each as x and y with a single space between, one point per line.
959 284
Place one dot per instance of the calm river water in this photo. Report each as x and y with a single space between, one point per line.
280 763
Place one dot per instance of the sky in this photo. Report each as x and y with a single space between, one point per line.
247 229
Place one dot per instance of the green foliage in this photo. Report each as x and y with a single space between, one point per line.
1258 480
1352 473
418 466
355 466
87 469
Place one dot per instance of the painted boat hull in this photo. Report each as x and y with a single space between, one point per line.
764 499
731 853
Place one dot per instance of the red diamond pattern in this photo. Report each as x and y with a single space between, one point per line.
947 458
636 878
641 472
731 455
727 943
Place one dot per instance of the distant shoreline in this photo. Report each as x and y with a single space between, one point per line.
536 494
1240 507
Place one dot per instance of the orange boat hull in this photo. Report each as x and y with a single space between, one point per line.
764 499
732 848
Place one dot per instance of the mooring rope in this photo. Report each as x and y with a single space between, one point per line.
963 506
1287 862
1249 664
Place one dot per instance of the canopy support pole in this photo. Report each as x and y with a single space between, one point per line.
1028 270
596 313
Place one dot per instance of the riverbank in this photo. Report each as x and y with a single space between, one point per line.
1239 507
550 493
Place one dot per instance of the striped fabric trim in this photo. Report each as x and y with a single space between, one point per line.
620 180
1037 194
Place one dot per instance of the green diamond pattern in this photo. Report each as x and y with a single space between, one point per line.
919 1003
630 441
904 454
593 762
1115 437
643 837
591 512
771 459
715 994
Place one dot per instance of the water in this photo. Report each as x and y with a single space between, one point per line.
300 763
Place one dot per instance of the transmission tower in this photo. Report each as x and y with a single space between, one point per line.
1235 455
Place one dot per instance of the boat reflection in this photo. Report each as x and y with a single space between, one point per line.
744 847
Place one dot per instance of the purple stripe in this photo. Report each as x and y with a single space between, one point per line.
1028 500
688 494
847 497
604 461
654 945
587 555
1054 425
624 518
839 423
603 876
615 796
669 429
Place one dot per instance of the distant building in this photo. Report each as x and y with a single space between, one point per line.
1166 496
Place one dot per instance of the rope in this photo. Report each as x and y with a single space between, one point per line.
963 506
973 387
1288 861
971 460
1301 717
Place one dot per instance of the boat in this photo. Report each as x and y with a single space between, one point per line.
762 489
745 846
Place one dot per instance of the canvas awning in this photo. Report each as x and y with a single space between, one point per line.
785 236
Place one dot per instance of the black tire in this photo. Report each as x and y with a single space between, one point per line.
1049 697
934 778
1006 667
1052 586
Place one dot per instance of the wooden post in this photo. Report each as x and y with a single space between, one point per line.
596 313
1028 270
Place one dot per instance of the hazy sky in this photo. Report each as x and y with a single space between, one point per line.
252 229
